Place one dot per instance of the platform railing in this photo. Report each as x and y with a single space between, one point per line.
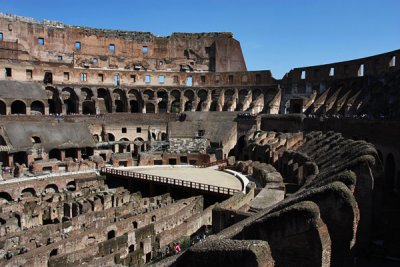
170 181
209 164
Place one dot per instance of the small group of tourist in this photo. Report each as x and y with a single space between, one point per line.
172 249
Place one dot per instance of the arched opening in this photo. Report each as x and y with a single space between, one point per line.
163 136
88 107
121 147
202 94
135 225
188 106
51 188
37 107
131 248
150 108
119 106
175 106
240 145
135 101
390 169
153 218
120 101
297 108
55 154
214 100
138 146
3 108
242 97
96 137
5 197
255 94
21 158
148 94
189 95
71 186
228 97
28 192
110 234
104 98
71 100
18 107
36 140
53 101
71 153
135 107
54 252
162 107
111 138
3 154
87 152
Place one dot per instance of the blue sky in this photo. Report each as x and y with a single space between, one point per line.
276 35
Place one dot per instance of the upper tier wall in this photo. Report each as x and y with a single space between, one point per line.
47 41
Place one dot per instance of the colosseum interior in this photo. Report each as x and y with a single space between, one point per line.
117 147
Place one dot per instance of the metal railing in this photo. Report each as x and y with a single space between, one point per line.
170 181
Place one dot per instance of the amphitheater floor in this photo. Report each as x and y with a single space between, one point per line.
209 176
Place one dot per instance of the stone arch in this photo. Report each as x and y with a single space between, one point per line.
150 108
18 107
120 101
88 107
5 197
51 188
3 108
88 102
136 147
28 192
71 100
188 105
242 95
104 97
3 154
121 147
55 154
202 95
162 107
214 100
135 225
228 99
135 101
148 94
87 93
71 153
53 100
71 186
390 172
110 234
21 157
37 107
255 94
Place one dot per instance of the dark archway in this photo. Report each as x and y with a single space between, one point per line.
5 197
18 107
88 107
71 100
71 153
53 101
104 94
150 108
3 108
110 234
55 154
28 192
188 106
21 158
135 106
37 107
162 107
51 188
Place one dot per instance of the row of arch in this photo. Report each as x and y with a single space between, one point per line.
33 192
91 101
21 107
